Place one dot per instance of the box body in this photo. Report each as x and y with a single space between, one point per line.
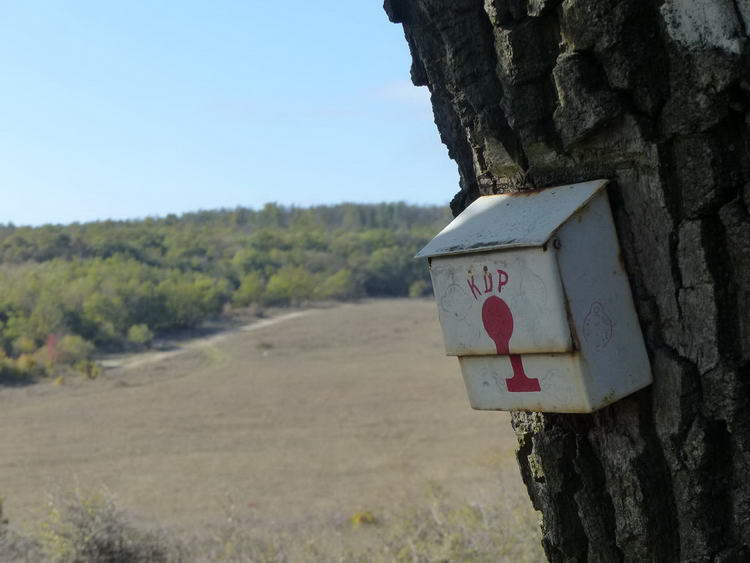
527 279
545 327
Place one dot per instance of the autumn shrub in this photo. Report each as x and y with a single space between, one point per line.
27 366
89 527
9 372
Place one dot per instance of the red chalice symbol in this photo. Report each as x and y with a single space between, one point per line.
498 322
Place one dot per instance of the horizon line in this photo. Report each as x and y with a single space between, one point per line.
182 214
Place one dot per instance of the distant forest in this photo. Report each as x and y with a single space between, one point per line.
68 291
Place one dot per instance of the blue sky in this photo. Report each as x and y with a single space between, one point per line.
138 108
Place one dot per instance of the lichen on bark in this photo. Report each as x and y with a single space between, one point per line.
654 95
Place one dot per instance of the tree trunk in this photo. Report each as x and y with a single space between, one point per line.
655 96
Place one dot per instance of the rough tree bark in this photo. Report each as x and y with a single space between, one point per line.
654 95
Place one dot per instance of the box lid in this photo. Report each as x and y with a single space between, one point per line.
514 220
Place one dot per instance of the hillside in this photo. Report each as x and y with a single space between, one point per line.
67 291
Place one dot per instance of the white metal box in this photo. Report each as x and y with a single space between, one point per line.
534 300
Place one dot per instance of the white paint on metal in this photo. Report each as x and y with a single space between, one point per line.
601 305
543 327
559 377
527 280
511 220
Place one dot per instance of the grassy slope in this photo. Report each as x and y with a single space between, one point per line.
341 410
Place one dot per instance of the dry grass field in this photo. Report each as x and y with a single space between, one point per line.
302 422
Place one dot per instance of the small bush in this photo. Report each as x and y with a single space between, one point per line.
419 288
26 365
23 345
362 518
250 290
10 373
340 285
140 335
89 527
89 369
290 285
72 349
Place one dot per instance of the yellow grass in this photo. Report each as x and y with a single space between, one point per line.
309 424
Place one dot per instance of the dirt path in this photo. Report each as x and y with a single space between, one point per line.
309 415
140 360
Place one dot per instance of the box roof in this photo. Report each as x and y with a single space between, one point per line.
514 220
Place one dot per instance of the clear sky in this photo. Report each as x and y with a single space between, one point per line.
145 107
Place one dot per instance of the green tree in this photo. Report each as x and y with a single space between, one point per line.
250 290
72 349
386 272
420 288
190 300
340 285
140 335
98 281
290 285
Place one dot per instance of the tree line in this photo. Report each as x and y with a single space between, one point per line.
68 291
